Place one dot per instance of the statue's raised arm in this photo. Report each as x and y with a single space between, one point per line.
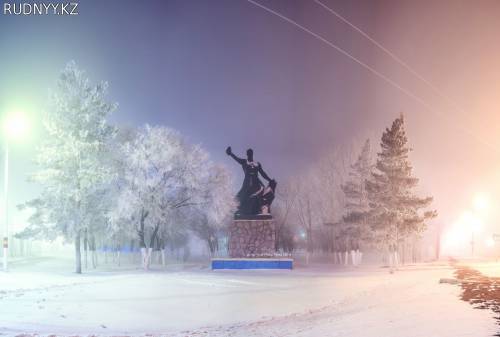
230 153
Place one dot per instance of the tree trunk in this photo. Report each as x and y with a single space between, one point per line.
78 254
142 242
153 236
150 254
161 251
310 243
210 247
144 257
118 254
86 248
152 243
163 262
93 251
393 260
132 251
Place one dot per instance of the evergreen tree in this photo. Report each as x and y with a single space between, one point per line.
71 171
354 227
395 211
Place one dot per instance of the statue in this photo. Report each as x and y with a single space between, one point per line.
268 197
254 199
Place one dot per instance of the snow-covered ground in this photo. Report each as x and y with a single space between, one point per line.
488 268
42 296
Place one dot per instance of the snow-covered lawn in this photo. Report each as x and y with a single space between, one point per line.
42 297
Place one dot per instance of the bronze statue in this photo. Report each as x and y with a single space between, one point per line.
254 200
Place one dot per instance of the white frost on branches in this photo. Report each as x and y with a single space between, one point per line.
70 168
165 178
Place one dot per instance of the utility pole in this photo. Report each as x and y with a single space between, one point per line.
6 207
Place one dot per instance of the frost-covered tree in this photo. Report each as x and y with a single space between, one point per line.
328 175
314 202
215 207
355 226
70 171
119 232
304 211
396 212
283 216
162 173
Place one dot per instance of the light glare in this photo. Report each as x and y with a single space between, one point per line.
481 203
16 125
490 242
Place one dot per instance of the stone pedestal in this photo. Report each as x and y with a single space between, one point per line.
251 238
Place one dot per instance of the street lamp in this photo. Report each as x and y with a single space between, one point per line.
481 203
490 242
15 126
474 224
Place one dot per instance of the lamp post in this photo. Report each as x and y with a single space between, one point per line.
15 125
472 223
5 242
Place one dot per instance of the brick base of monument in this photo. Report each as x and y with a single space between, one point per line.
251 238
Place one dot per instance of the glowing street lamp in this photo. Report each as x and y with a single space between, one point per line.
490 242
15 126
481 203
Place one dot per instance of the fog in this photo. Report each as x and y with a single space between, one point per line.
229 73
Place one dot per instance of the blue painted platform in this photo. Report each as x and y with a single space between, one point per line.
252 263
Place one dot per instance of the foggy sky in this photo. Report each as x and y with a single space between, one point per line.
228 73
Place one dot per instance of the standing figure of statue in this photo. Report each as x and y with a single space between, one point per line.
250 196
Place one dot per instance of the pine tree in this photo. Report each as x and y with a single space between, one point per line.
71 171
354 226
396 212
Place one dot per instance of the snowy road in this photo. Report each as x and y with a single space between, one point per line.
44 298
